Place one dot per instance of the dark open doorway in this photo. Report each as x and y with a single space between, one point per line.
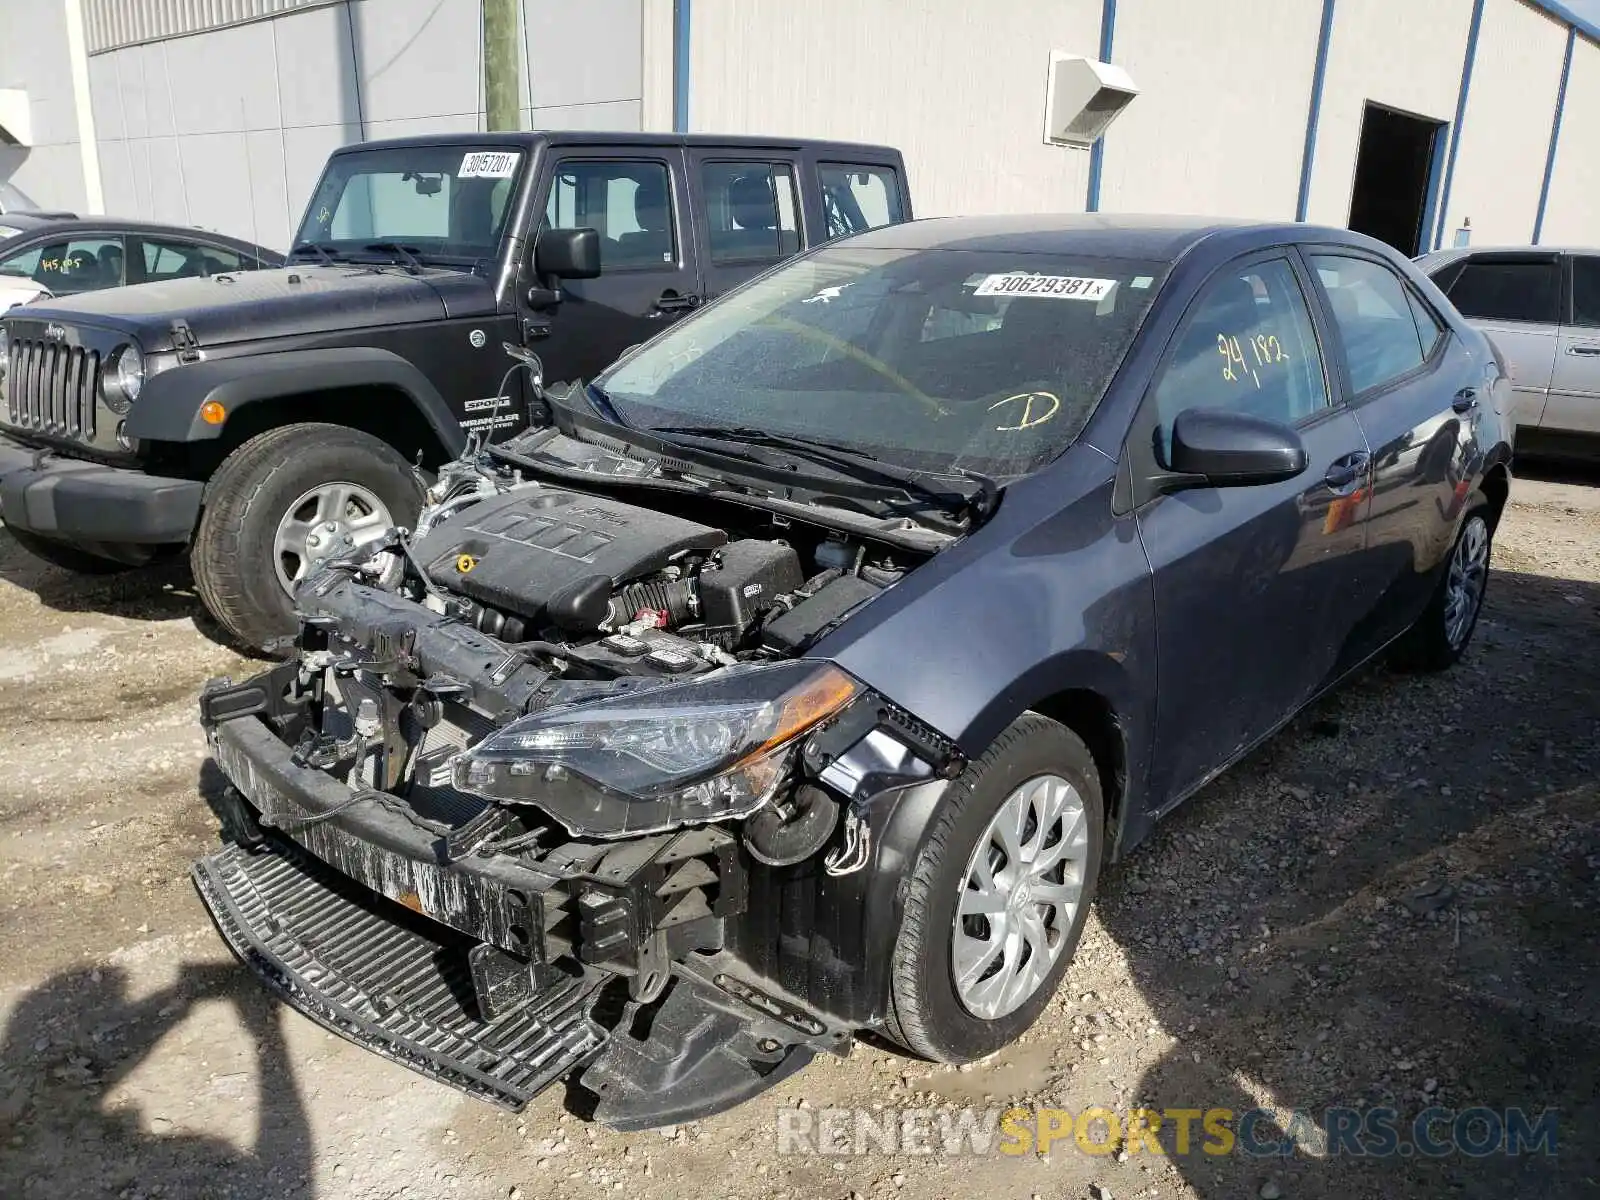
1395 177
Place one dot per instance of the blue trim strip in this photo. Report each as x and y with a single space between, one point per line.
680 65
1430 208
1461 115
1555 135
1319 76
1097 152
1588 26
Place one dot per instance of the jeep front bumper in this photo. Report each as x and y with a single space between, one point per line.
86 503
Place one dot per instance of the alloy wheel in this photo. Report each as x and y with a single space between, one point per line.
332 519
1468 578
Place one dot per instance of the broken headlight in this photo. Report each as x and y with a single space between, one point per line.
712 748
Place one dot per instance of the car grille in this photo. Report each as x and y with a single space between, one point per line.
52 389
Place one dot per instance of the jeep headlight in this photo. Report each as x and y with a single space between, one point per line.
123 380
707 749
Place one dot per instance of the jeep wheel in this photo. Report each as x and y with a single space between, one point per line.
999 894
281 502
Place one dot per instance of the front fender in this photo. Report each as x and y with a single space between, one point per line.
168 410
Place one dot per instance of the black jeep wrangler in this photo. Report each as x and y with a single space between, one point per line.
269 419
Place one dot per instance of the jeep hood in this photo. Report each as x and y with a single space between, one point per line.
259 305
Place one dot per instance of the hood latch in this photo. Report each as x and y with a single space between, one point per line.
184 342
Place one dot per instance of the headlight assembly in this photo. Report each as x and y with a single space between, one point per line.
124 379
703 750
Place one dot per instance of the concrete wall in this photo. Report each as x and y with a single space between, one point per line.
958 86
1218 127
34 57
1572 216
1505 138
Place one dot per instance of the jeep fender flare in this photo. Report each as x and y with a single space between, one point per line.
169 408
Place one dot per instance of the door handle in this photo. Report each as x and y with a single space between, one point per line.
1345 475
677 302
1466 400
1584 351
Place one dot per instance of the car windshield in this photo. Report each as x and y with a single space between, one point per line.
929 359
445 202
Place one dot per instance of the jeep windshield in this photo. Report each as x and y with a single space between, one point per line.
936 360
402 203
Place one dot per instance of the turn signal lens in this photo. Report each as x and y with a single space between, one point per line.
213 413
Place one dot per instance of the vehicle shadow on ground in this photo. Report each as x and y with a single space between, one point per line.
1415 932
69 1046
163 591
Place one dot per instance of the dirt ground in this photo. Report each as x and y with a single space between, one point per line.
1391 904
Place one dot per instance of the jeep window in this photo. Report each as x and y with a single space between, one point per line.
168 259
750 211
858 198
926 358
445 202
628 201
79 265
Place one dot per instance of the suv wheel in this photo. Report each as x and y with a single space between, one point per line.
998 897
1441 635
282 501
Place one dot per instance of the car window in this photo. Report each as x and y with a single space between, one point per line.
66 267
1429 328
750 210
1586 290
628 202
858 198
1373 311
1246 344
1508 289
169 258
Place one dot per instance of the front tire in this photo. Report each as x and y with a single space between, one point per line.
998 896
278 504
1441 635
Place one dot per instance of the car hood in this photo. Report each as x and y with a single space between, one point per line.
258 305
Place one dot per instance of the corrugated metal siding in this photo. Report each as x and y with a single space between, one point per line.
109 24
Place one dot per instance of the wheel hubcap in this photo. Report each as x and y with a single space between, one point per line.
1019 897
330 520
1469 574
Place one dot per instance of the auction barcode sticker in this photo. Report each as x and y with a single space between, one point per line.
488 164
1060 287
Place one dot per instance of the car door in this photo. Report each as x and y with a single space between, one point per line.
1251 583
68 266
1574 405
1514 297
649 277
1414 389
746 214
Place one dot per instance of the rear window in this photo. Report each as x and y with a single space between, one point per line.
1504 289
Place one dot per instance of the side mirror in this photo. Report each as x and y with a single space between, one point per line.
567 254
1233 449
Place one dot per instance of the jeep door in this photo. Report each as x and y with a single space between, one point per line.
1252 583
1574 405
639 202
746 213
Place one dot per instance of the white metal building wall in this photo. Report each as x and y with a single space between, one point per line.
1219 127
1573 214
112 23
958 86
35 59
1505 137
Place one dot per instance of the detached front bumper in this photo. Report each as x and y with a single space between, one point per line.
84 503
498 974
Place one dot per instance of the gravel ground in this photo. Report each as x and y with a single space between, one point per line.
1388 905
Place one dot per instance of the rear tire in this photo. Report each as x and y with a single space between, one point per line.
273 483
933 1014
68 557
1443 632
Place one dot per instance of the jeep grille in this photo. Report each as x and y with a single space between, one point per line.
52 389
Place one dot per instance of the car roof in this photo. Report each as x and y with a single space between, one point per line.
1156 238
539 137
1451 253
29 224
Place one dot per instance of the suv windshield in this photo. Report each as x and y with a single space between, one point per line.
434 201
931 359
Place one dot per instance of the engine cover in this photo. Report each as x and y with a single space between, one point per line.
516 551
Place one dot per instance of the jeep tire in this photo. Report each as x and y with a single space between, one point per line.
235 556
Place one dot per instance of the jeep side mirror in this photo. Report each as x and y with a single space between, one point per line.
567 254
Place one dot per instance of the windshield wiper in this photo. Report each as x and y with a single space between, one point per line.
980 497
322 251
412 262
